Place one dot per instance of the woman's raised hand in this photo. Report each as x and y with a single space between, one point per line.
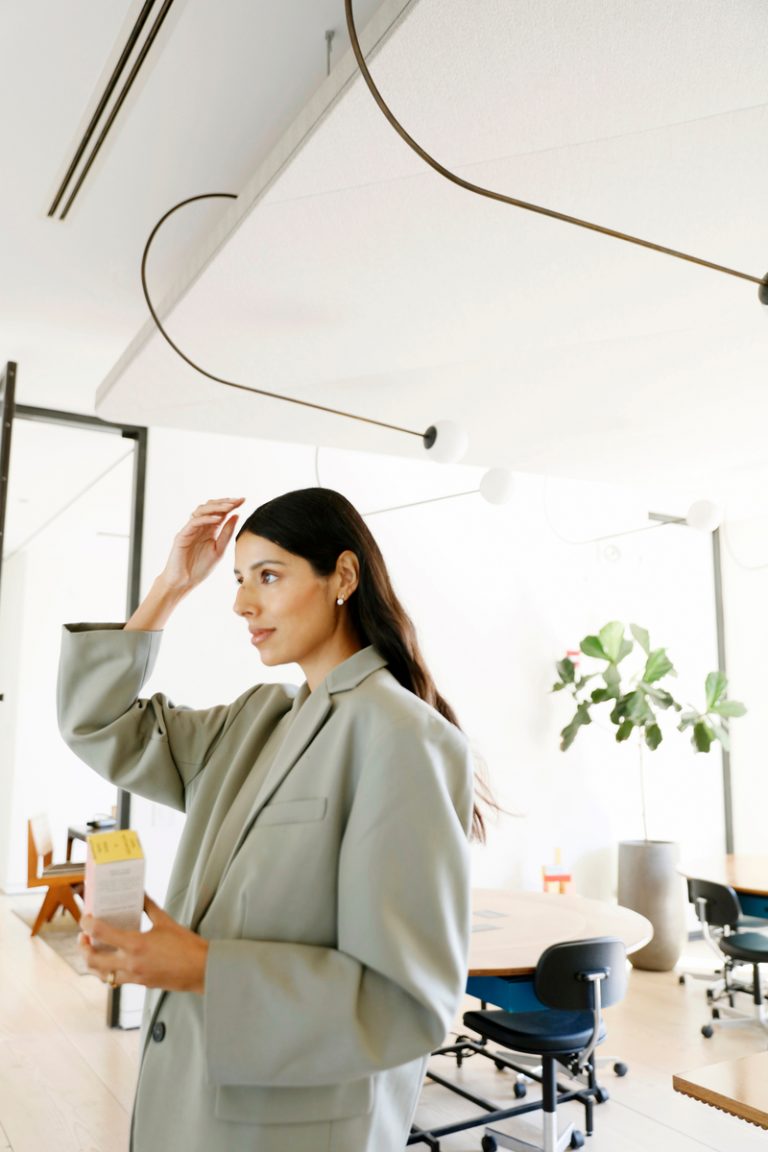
196 551
201 543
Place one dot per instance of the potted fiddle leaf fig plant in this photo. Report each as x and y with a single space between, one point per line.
633 699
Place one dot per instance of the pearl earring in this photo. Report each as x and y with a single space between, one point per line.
340 601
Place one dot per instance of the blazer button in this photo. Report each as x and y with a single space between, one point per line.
158 1031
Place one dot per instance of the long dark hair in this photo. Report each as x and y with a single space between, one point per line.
319 524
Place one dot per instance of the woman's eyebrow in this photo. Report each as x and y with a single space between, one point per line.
261 564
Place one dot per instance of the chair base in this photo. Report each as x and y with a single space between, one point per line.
551 1142
758 1018
57 896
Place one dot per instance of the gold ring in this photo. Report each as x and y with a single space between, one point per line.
111 979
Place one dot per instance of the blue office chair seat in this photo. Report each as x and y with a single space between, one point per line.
746 946
560 1033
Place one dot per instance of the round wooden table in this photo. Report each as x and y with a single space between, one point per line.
510 930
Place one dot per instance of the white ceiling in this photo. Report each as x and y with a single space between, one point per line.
350 274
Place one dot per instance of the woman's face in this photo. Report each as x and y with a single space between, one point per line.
291 612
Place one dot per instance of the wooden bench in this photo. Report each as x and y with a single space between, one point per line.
739 1087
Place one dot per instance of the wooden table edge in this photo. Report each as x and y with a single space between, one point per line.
716 1100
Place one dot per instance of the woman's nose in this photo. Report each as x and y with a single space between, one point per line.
242 605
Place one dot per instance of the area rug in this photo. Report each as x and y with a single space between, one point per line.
60 934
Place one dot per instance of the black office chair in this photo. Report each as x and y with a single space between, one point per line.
576 980
719 913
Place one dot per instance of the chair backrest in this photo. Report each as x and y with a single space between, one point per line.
39 844
715 904
566 973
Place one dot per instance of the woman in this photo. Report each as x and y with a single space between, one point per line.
313 947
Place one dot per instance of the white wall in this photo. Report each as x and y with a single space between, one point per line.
498 595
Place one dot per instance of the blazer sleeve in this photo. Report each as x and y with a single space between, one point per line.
390 990
147 746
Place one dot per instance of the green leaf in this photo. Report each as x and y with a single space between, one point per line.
638 709
657 665
568 734
624 731
641 635
660 696
653 736
591 646
619 710
624 650
729 708
566 670
687 720
612 678
611 637
715 686
702 736
600 695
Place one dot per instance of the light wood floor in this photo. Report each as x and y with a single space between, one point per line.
66 1080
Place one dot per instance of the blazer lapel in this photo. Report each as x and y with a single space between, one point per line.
312 710
312 714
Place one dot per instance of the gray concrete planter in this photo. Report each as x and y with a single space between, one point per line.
650 884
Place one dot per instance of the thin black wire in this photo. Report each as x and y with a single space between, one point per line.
395 507
220 379
488 192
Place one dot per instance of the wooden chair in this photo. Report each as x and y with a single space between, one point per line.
63 881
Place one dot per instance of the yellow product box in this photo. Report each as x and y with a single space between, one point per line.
114 878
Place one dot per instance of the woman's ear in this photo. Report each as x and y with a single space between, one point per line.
347 574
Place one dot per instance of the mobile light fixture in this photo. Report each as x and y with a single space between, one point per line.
703 516
479 190
495 487
443 440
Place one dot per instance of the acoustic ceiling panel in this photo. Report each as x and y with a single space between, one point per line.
351 274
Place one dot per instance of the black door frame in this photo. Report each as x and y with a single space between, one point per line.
10 411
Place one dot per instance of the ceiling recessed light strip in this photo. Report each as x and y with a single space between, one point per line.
492 195
444 440
106 96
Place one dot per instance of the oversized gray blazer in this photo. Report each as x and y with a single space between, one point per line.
335 898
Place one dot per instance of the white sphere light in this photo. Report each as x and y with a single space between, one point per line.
445 441
704 515
496 485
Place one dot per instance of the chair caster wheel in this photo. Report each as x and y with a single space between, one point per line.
488 1144
577 1139
499 1066
459 1060
681 979
708 1031
601 1095
710 995
520 1090
715 1013
620 1068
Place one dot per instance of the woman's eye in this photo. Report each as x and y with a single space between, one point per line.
268 577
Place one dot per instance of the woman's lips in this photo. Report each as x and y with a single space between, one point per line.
261 634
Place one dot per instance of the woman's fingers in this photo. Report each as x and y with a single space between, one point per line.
221 507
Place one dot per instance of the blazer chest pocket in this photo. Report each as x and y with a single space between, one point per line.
260 1105
292 812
